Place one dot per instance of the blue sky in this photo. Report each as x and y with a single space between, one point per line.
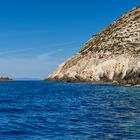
37 35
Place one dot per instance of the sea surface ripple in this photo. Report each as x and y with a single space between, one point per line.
38 110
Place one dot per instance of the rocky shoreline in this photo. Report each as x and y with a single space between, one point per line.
5 79
113 55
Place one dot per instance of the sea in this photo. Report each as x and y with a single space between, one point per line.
39 110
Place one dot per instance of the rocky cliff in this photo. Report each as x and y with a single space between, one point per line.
113 55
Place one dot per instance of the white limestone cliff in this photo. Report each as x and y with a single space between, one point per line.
113 55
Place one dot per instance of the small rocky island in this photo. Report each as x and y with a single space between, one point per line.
113 55
5 79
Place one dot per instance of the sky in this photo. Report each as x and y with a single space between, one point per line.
38 35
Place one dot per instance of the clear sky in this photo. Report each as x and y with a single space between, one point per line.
37 35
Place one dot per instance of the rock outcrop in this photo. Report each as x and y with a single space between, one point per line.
5 79
113 55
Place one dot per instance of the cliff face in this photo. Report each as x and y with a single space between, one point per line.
113 55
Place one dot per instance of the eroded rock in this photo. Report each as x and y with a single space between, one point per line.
112 55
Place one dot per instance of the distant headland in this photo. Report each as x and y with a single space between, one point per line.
5 79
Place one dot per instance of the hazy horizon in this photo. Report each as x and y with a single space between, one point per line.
37 35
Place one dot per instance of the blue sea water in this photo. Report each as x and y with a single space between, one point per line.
37 110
